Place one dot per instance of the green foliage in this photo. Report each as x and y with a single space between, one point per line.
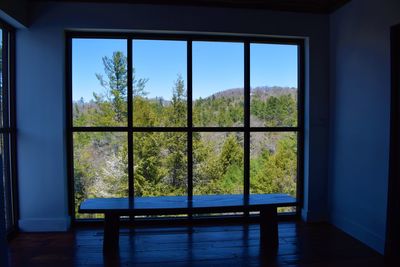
222 111
275 171
116 84
160 159
206 167
176 112
109 108
275 111
146 146
231 153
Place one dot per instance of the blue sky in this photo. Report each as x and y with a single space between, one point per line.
216 65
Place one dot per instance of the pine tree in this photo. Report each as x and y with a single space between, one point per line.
177 115
231 153
177 142
115 82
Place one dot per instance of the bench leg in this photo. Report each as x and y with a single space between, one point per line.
111 233
269 241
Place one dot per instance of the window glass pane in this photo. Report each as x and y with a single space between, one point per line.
100 166
218 71
217 163
159 83
160 164
99 82
273 78
273 163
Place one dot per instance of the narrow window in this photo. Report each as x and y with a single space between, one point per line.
7 127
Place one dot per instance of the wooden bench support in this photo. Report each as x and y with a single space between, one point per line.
113 208
111 233
269 229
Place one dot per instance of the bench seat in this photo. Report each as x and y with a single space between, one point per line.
113 208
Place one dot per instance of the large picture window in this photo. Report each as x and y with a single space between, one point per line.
168 115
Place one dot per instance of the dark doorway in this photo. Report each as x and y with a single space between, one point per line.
393 212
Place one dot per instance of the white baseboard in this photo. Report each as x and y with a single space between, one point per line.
45 224
359 232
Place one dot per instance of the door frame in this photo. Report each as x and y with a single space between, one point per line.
392 244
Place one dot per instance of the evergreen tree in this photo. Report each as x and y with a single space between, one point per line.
147 154
177 114
231 153
177 142
115 83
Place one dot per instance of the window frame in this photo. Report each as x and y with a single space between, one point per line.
247 40
9 128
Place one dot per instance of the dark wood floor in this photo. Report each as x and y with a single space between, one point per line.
232 245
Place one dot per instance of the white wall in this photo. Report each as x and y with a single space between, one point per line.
41 91
360 109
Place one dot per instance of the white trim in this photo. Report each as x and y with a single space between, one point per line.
45 224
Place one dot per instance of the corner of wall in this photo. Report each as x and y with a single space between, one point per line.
312 216
315 139
14 12
358 231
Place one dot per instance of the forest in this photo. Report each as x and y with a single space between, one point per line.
160 158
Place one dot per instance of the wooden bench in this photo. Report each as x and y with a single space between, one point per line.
113 208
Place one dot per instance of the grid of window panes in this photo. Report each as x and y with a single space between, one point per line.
140 106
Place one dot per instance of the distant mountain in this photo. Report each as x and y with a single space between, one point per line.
232 93
265 92
262 91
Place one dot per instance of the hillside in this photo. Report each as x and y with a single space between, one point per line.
263 91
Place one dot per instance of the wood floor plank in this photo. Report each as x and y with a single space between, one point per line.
226 245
